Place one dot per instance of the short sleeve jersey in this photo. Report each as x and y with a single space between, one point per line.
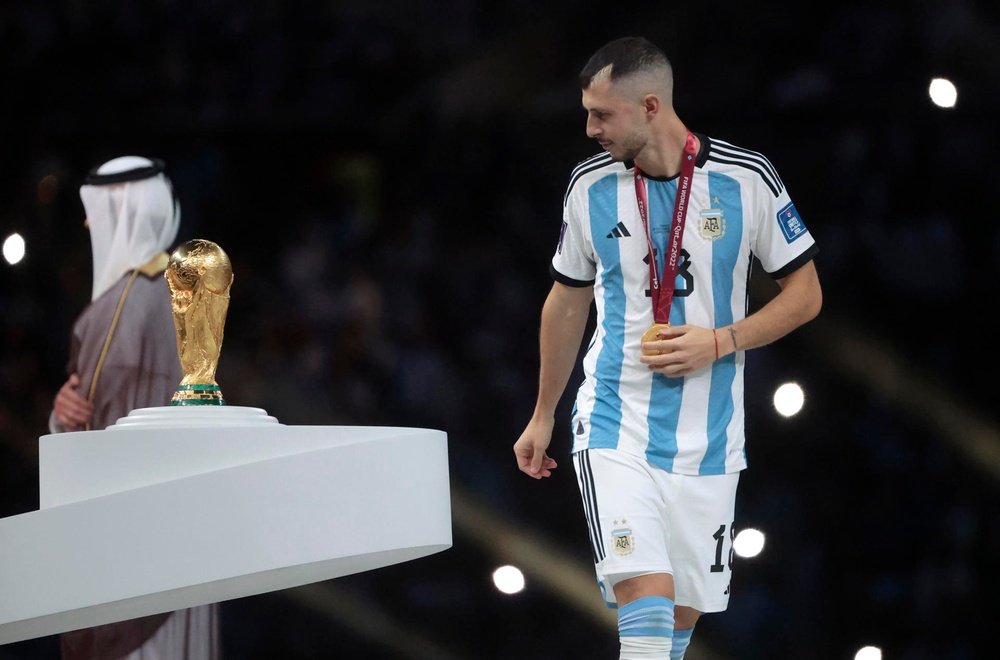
739 209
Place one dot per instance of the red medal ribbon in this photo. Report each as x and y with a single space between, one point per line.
664 295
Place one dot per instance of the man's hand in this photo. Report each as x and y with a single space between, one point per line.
72 410
530 449
683 349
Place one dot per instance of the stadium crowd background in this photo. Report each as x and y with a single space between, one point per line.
387 179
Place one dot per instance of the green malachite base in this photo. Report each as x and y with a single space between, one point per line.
199 402
198 395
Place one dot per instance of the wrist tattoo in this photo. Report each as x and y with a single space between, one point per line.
732 335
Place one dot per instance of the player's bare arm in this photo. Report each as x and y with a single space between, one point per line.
798 302
564 319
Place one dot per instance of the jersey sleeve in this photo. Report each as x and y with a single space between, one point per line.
574 263
782 241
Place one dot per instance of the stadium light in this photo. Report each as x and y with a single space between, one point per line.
869 653
13 249
508 579
788 399
748 543
943 93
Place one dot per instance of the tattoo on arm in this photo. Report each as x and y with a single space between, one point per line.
732 335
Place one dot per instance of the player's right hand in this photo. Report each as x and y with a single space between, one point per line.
529 450
72 410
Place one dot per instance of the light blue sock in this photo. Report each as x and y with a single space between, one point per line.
681 640
645 627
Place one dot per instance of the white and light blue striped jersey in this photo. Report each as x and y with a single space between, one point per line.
739 209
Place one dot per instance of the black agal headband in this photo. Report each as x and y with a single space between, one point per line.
135 174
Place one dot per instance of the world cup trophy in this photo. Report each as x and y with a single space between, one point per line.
175 507
199 275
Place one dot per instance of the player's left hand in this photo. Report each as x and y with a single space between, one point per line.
684 349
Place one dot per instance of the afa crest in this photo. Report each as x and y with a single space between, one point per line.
622 540
712 224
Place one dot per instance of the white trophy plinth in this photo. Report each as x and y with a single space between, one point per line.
174 507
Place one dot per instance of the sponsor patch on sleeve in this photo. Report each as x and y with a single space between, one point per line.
790 222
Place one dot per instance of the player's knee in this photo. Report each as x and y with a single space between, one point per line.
642 586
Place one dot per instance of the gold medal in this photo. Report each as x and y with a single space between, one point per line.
653 334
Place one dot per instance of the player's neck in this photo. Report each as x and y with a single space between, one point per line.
661 157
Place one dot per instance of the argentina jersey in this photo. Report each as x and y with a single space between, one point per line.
739 209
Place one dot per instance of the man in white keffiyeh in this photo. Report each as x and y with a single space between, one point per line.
123 356
132 215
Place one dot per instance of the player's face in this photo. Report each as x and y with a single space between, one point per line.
615 121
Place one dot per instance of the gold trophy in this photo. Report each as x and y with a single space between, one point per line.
199 275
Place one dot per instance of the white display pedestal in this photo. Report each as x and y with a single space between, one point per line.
175 507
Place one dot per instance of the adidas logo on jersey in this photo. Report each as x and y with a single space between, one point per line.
619 232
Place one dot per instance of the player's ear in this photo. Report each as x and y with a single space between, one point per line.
651 105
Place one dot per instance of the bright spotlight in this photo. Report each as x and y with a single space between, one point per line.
13 249
943 93
869 653
748 543
788 399
508 579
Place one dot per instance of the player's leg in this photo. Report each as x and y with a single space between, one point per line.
686 618
702 510
624 513
645 616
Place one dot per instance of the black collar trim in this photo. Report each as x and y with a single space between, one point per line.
705 145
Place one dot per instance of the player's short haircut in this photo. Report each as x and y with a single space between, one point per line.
623 57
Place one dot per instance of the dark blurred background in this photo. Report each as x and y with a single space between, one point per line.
387 179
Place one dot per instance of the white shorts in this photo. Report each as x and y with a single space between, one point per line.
644 520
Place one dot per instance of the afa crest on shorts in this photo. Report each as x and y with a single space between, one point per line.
622 539
712 224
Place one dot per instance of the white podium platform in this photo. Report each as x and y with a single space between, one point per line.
175 507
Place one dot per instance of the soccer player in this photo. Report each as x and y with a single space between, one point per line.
659 232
